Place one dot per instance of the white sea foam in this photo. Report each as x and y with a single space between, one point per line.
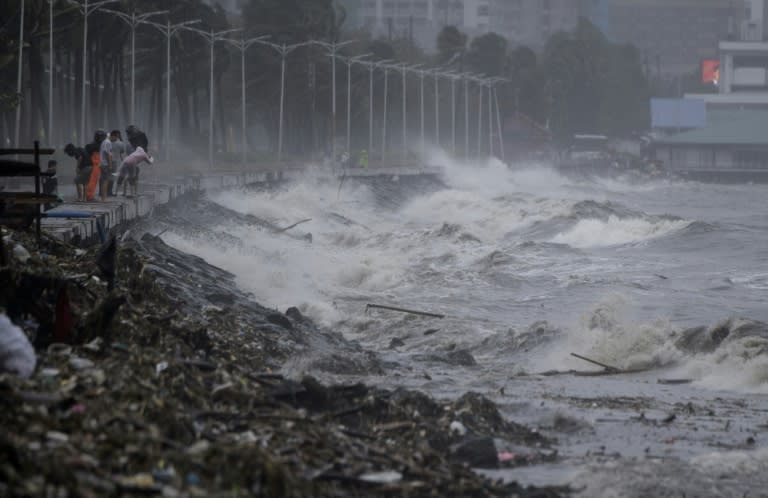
616 231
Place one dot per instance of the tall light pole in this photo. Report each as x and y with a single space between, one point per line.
479 116
49 133
19 74
211 37
498 117
372 66
134 20
422 73
384 118
349 61
437 107
466 117
86 9
453 77
283 50
242 44
333 48
403 68
168 30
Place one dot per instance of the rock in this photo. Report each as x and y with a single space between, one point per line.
280 320
461 357
294 314
476 452
396 343
16 353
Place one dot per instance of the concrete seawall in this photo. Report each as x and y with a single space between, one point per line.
80 222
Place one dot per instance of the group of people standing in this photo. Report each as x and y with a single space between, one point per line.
107 157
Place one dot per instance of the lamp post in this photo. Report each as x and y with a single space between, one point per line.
243 45
168 30
422 73
498 115
436 74
384 119
86 9
211 37
19 74
403 68
349 61
283 50
372 66
133 20
333 48
466 117
49 133
453 77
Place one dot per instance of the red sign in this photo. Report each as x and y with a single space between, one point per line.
710 71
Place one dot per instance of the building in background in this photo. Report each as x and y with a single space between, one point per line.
526 22
674 36
732 142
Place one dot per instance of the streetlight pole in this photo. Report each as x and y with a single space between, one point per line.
349 61
372 66
283 50
134 20
453 114
480 117
498 125
168 30
384 120
421 91
19 75
333 48
243 45
86 10
211 37
49 133
437 108
466 117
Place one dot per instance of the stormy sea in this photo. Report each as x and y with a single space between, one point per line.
663 281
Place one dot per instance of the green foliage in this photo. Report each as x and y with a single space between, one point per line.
592 85
450 42
488 55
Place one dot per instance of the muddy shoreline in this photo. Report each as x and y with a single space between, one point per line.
156 376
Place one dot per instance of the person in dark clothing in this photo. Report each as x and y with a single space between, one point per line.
83 169
137 138
50 182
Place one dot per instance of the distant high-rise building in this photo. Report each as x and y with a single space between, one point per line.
674 36
527 22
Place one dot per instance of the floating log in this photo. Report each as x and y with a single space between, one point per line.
295 224
402 310
672 382
607 367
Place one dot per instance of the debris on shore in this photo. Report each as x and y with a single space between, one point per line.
156 377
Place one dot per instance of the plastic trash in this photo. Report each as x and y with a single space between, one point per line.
16 353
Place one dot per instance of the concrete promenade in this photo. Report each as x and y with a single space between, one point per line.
80 222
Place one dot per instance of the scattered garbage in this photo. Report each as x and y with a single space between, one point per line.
16 353
147 395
